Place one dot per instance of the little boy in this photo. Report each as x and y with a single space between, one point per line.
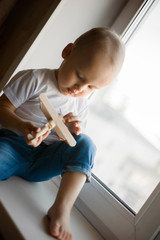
90 63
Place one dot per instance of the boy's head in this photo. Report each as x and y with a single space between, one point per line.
90 63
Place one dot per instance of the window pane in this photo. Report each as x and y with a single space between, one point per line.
125 124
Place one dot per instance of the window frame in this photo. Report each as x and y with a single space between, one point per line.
111 217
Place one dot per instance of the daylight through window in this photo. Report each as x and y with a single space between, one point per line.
125 124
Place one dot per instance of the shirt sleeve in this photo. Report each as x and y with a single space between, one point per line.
20 88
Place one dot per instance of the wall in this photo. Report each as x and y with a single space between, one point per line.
69 20
19 30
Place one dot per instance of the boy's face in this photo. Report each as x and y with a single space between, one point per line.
80 75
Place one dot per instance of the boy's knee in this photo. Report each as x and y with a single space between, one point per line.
85 143
83 153
81 157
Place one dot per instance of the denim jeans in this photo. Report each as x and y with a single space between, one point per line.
45 161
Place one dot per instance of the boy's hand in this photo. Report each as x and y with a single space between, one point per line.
29 128
73 123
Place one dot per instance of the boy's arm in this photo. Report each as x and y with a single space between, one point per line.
11 121
7 117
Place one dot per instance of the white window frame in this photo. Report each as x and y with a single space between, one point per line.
112 218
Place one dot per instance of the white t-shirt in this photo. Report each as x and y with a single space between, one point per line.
23 92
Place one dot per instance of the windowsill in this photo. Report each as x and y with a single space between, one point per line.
23 208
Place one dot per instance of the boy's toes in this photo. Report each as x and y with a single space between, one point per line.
69 237
62 234
54 230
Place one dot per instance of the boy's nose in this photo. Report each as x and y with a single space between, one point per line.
81 87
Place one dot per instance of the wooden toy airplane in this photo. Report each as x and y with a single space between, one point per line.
54 121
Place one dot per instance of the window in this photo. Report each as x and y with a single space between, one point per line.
125 124
107 211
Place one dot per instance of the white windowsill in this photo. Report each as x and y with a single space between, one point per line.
23 207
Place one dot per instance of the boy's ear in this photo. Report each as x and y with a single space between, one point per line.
67 50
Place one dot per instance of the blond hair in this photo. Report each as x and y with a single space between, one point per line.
105 40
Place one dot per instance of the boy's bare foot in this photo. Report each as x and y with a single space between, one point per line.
59 213
59 222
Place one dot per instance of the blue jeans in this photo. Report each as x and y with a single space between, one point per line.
45 161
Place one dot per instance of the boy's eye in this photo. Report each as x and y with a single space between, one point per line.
78 75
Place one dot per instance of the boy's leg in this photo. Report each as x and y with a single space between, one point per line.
59 213
75 165
12 154
58 158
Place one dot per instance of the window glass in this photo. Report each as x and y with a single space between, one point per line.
124 119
